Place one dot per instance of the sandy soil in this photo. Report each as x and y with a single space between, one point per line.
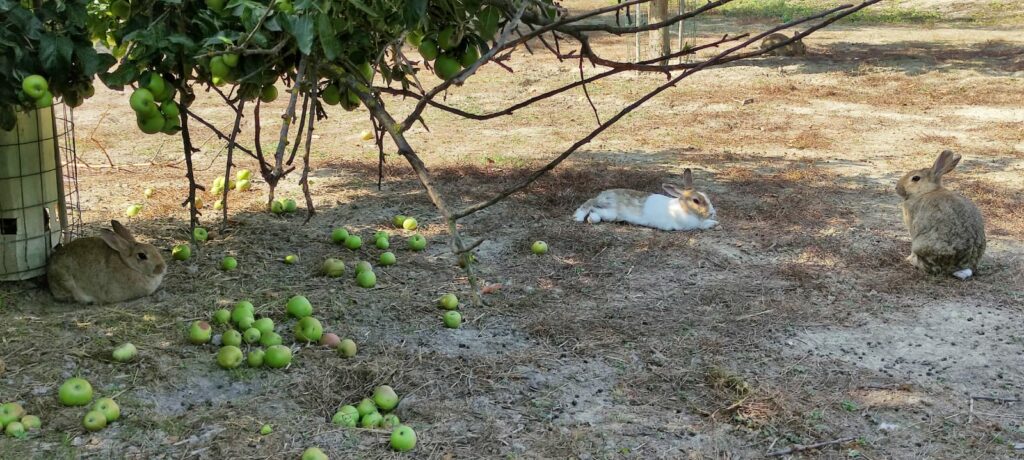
795 322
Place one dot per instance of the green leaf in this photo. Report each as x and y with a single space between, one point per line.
120 77
328 38
362 6
48 53
414 12
301 27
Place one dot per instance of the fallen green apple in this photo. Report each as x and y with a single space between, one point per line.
266 429
231 337
539 247
290 205
277 207
390 421
371 420
200 234
230 356
387 258
277 356
314 453
251 335
453 319
264 325
366 279
228 263
124 353
333 267
246 322
94 421
256 357
75 392
181 252
339 235
244 185
31 422
363 266
382 243
353 242
381 234
221 316
243 174
200 332
398 220
347 348
10 412
385 397
366 406
133 210
109 408
448 302
291 259
417 242
345 419
242 309
148 192
410 224
299 306
270 339
15 430
403 438
308 329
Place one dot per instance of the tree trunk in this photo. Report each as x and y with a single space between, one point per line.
660 44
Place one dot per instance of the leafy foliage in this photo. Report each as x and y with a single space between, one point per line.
53 40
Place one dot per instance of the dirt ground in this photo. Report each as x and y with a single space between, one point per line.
796 321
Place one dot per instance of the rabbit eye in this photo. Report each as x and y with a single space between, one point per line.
142 256
915 178
696 201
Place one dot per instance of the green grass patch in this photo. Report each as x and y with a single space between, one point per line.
788 10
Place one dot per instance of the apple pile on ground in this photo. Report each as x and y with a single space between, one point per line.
375 412
78 392
16 422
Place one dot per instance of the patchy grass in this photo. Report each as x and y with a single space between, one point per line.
788 10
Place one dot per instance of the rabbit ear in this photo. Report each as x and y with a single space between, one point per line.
122 231
115 242
688 179
945 163
671 190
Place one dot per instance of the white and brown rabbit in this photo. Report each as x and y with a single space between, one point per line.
112 267
685 209
947 231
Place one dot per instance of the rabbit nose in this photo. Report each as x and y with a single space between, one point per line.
159 270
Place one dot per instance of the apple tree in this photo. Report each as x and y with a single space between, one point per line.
361 54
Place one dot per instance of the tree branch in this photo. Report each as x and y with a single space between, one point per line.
227 167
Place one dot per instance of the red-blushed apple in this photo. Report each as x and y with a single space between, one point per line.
200 332
330 340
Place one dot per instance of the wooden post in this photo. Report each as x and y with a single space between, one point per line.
660 43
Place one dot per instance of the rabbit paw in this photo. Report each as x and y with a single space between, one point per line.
708 224
964 274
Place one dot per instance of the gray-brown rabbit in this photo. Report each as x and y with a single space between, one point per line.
112 267
947 231
795 48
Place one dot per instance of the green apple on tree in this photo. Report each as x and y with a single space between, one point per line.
299 306
277 356
109 408
308 329
75 392
200 332
347 348
230 356
34 86
403 438
268 94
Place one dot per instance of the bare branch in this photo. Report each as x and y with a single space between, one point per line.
227 167
220 134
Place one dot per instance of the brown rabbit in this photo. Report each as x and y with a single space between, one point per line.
796 48
112 267
947 231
